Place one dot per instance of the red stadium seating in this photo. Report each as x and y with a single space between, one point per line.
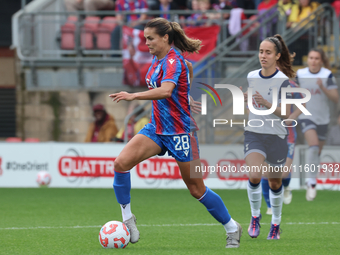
88 32
68 33
13 140
105 28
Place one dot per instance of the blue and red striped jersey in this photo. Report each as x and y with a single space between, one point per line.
171 115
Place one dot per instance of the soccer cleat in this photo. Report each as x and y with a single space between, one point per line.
131 224
274 232
254 227
233 239
269 211
311 193
287 195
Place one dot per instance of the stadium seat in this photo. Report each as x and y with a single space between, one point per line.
104 33
68 33
13 140
88 32
32 140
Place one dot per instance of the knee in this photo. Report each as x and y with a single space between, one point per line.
119 166
275 184
196 192
254 180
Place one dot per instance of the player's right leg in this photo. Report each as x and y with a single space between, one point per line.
255 161
312 160
286 177
211 201
139 148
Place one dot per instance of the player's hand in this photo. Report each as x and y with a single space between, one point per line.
195 106
319 82
259 99
122 96
288 122
191 70
245 95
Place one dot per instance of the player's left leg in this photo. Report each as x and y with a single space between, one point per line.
276 159
286 177
276 201
211 201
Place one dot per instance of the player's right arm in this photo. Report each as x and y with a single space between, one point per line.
164 91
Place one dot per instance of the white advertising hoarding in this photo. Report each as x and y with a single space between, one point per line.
85 165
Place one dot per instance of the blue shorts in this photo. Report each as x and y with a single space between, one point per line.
321 130
182 147
272 147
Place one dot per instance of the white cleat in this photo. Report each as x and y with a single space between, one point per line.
233 239
269 211
287 195
311 193
131 225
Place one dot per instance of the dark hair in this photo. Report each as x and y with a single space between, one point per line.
175 33
285 60
324 58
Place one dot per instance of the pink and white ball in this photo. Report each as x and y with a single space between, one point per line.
114 234
43 178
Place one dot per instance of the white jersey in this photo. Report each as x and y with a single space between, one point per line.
318 104
264 85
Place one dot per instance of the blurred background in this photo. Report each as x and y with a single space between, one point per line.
60 58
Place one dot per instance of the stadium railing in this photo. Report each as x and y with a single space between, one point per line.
320 27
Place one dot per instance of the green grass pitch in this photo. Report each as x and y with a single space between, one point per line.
44 221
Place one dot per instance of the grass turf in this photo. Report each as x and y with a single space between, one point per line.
60 210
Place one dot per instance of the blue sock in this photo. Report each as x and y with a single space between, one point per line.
286 181
122 187
215 206
265 191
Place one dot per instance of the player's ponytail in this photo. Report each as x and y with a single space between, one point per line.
183 42
175 33
324 58
285 60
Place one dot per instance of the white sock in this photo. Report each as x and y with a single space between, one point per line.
311 181
276 200
231 226
255 199
126 211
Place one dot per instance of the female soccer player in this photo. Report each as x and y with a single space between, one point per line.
169 129
291 139
322 85
267 142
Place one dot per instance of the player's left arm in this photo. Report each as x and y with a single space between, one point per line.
331 90
195 106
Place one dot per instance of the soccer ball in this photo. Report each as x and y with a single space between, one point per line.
43 178
114 234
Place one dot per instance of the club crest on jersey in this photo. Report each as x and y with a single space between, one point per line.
151 85
158 68
171 61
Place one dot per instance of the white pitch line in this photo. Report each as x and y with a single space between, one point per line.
170 225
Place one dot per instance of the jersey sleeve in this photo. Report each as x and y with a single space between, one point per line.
172 69
331 82
285 84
